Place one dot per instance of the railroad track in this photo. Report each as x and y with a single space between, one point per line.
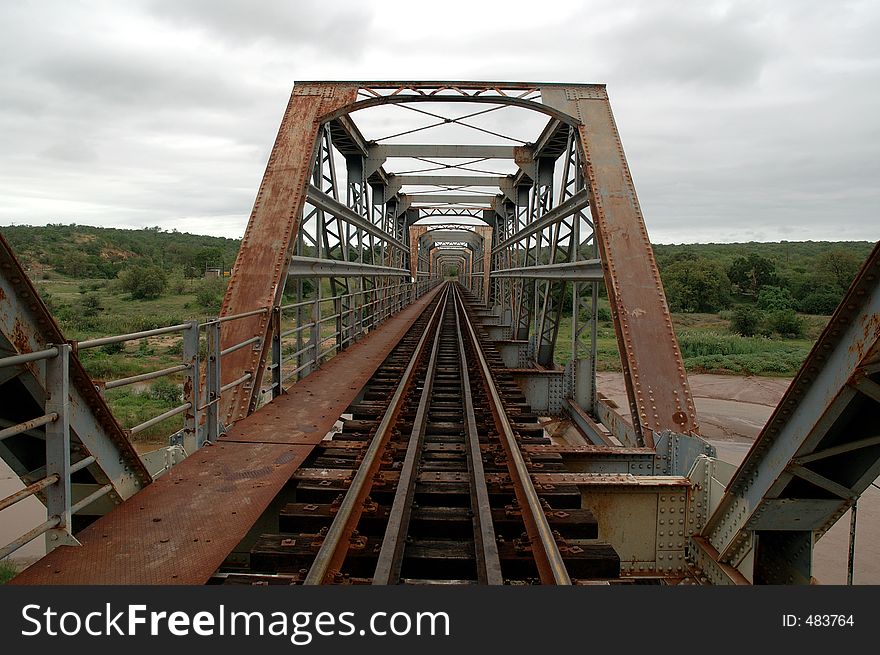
430 480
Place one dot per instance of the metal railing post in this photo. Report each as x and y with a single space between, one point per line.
316 333
340 322
212 382
276 352
192 418
58 499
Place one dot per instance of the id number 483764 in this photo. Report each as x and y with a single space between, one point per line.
818 620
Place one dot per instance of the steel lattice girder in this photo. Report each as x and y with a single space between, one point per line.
26 326
656 382
821 447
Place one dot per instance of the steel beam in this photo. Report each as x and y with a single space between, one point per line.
578 202
332 206
585 270
451 199
314 267
397 181
260 267
457 151
657 387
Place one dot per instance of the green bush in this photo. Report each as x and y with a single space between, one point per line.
786 323
820 302
696 285
143 282
772 298
209 294
702 343
89 305
113 348
166 392
144 349
746 321
8 570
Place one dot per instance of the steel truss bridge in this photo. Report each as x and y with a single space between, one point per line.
367 405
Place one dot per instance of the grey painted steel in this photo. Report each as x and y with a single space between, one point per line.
29 536
26 426
58 445
314 267
395 181
106 341
462 151
813 407
332 206
616 424
578 202
17 360
586 270
143 377
450 199
28 491
192 388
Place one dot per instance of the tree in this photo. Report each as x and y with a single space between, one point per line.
838 267
746 320
823 301
751 273
775 298
143 282
696 285
786 323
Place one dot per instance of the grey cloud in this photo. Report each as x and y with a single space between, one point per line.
337 28
740 119
698 46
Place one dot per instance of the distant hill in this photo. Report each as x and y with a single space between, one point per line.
82 251
792 258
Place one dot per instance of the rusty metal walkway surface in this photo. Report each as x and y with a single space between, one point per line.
179 529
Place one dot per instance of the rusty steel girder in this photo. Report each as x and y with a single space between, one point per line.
656 382
258 275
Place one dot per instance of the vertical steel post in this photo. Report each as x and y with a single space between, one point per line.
192 418
276 352
316 329
212 382
851 562
58 500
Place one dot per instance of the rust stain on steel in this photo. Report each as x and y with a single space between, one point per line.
258 275
19 338
656 382
154 538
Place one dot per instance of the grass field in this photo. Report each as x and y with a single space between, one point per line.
708 346
706 342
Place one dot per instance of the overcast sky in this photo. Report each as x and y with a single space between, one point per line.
741 120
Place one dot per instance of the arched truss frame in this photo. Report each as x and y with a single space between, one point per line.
546 246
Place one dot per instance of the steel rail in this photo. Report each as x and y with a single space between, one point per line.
29 491
393 543
486 546
551 568
334 548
